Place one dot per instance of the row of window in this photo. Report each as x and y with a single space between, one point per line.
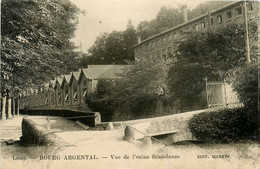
229 14
46 98
35 91
165 53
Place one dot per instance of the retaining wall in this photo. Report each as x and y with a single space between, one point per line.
90 121
177 124
34 134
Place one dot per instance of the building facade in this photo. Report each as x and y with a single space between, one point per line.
163 45
69 91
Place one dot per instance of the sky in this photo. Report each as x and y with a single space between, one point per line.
108 15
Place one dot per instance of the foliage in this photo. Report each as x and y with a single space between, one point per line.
116 47
223 126
113 48
213 54
166 18
35 42
203 8
141 86
135 95
102 99
245 83
169 17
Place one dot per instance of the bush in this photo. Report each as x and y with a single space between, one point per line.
102 100
116 104
245 84
223 126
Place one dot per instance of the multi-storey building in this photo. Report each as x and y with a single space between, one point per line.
163 45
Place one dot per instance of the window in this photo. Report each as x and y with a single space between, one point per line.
84 92
250 6
239 10
211 21
59 94
66 94
75 96
59 98
52 98
46 101
163 39
196 27
164 55
75 91
41 100
174 35
67 97
181 32
169 53
203 25
220 20
170 37
229 14
158 54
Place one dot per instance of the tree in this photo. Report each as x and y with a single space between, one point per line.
108 48
130 39
214 54
205 7
133 96
113 48
169 17
166 18
35 43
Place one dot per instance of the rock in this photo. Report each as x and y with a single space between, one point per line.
10 142
82 125
147 142
110 126
129 134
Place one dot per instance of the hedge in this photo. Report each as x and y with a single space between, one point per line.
222 126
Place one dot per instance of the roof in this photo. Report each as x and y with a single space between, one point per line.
52 83
59 80
46 86
104 71
184 24
67 78
76 75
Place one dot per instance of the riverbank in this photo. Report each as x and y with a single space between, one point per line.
107 149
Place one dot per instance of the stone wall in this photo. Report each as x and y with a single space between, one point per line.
176 125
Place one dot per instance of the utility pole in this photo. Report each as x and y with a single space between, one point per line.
248 60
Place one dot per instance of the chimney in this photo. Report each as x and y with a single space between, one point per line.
185 16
